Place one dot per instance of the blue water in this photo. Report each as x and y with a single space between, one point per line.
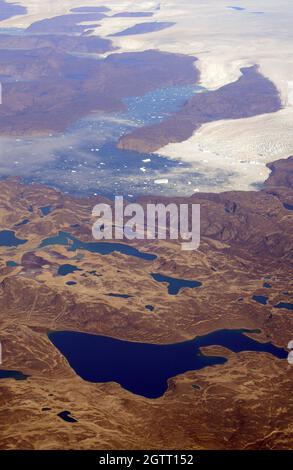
65 269
103 248
266 285
149 307
45 210
71 283
66 416
144 368
285 305
94 164
260 299
175 284
11 264
12 374
157 105
127 162
8 238
287 206
121 296
24 222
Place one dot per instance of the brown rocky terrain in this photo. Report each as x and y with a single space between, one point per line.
281 175
246 241
64 43
44 89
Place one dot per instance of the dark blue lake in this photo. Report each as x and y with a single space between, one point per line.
11 264
24 222
285 305
287 206
103 248
12 374
266 285
45 210
175 284
66 416
65 269
8 238
121 296
260 299
149 307
144 368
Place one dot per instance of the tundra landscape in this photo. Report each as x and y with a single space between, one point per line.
138 344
